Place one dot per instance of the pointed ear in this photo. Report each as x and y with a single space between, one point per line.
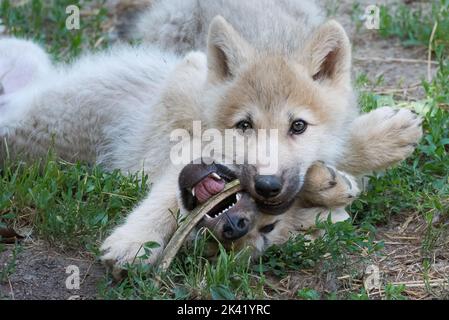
328 54
227 50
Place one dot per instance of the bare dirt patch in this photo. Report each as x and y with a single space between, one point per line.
402 68
39 273
404 256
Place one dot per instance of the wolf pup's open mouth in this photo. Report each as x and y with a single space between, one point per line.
231 218
210 185
224 206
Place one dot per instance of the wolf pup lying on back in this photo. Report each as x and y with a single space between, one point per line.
119 108
236 221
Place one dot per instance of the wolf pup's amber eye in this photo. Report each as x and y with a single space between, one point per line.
268 228
298 127
244 125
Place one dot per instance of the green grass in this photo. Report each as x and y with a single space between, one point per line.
414 26
393 292
233 275
191 276
73 206
44 21
10 265
335 249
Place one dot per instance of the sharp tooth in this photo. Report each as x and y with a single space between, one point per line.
238 196
215 176
193 191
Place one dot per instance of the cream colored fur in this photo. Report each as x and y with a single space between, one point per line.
183 25
118 108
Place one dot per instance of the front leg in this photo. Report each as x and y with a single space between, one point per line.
379 139
154 220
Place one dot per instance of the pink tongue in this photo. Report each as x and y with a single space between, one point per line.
208 187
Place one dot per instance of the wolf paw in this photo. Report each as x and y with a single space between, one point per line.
121 248
404 129
327 187
391 134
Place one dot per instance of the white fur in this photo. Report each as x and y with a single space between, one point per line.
114 109
101 102
182 25
21 63
118 108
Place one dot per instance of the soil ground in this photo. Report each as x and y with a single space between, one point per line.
40 273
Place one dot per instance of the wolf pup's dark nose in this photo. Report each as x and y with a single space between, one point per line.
268 186
235 227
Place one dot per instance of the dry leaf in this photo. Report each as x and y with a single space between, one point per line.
8 235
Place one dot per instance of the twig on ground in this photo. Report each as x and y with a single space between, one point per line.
421 284
405 225
429 54
389 90
11 290
394 60
401 237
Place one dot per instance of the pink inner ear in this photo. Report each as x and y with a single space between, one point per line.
15 75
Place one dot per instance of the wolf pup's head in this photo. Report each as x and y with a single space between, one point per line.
305 96
235 221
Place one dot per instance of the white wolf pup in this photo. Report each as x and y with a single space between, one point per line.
263 30
182 25
118 109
